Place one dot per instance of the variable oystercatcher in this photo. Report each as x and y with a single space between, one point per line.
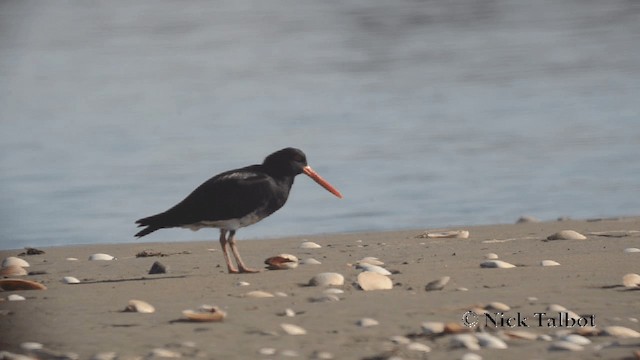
237 198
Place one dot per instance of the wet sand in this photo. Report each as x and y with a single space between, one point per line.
87 318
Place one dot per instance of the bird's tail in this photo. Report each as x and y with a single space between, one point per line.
152 224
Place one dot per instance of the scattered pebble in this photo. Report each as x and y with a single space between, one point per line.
140 307
367 322
631 250
164 353
71 259
16 297
333 291
14 261
158 268
467 341
399 339
287 312
368 281
565 346
567 235
327 279
309 245
491 256
206 313
31 346
280 294
310 261
462 289
454 234
100 256
416 346
13 270
631 280
259 294
267 351
291 329
576 339
437 284
527 219
549 263
325 298
373 268
496 264
621 332
242 283
70 280
432 327
282 262
521 334
489 341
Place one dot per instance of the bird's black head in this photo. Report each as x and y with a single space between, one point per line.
286 162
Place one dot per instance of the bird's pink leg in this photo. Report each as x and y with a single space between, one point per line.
223 242
234 248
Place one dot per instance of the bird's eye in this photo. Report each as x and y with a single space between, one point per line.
298 158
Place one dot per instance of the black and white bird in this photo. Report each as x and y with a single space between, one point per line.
237 198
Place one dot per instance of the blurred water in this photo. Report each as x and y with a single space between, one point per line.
423 113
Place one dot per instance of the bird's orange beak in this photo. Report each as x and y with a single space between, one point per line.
322 182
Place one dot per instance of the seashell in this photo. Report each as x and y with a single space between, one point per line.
462 289
267 351
289 353
556 307
491 256
325 298
280 294
521 334
31 346
496 264
206 313
437 284
497 306
282 262
631 250
545 337
567 235
489 341
368 281
107 355
455 328
291 329
367 322
416 346
471 356
71 259
549 263
333 291
164 353
565 346
465 341
527 219
373 268
322 355
455 234
100 256
70 280
12 260
577 339
288 312
631 280
309 245
327 279
140 307
259 294
16 297
621 332
13 270
310 261
370 260
17 284
242 283
432 327
398 339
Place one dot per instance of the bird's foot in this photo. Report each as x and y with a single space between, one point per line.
232 270
247 270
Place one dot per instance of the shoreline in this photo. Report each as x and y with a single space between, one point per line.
87 318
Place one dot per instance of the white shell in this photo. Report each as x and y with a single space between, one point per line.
399 339
373 281
497 306
288 312
333 291
12 260
491 256
30 346
242 283
325 298
367 322
327 279
164 353
631 280
16 297
373 268
70 280
556 307
549 263
71 259
567 235
282 262
471 356
370 260
565 346
521 334
432 327
267 351
416 346
100 256
621 332
293 329
631 250
13 270
489 341
437 284
309 245
458 234
496 264
310 261
140 306
577 339
466 341
259 294
206 313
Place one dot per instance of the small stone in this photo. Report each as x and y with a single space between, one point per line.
521 334
437 284
140 307
455 234
288 312
489 341
242 283
577 339
368 281
70 280
462 289
292 329
101 257
631 250
367 322
527 219
327 279
416 346
71 259
333 291
259 294
165 353
497 306
14 261
631 281
491 256
309 245
373 268
432 327
549 263
467 341
16 297
621 332
398 339
496 264
325 298
565 346
280 294
310 261
267 351
31 346
158 268
567 235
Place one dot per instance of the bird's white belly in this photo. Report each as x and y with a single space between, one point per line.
230 224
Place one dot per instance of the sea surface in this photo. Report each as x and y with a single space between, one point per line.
424 114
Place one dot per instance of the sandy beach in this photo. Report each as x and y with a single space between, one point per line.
87 320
